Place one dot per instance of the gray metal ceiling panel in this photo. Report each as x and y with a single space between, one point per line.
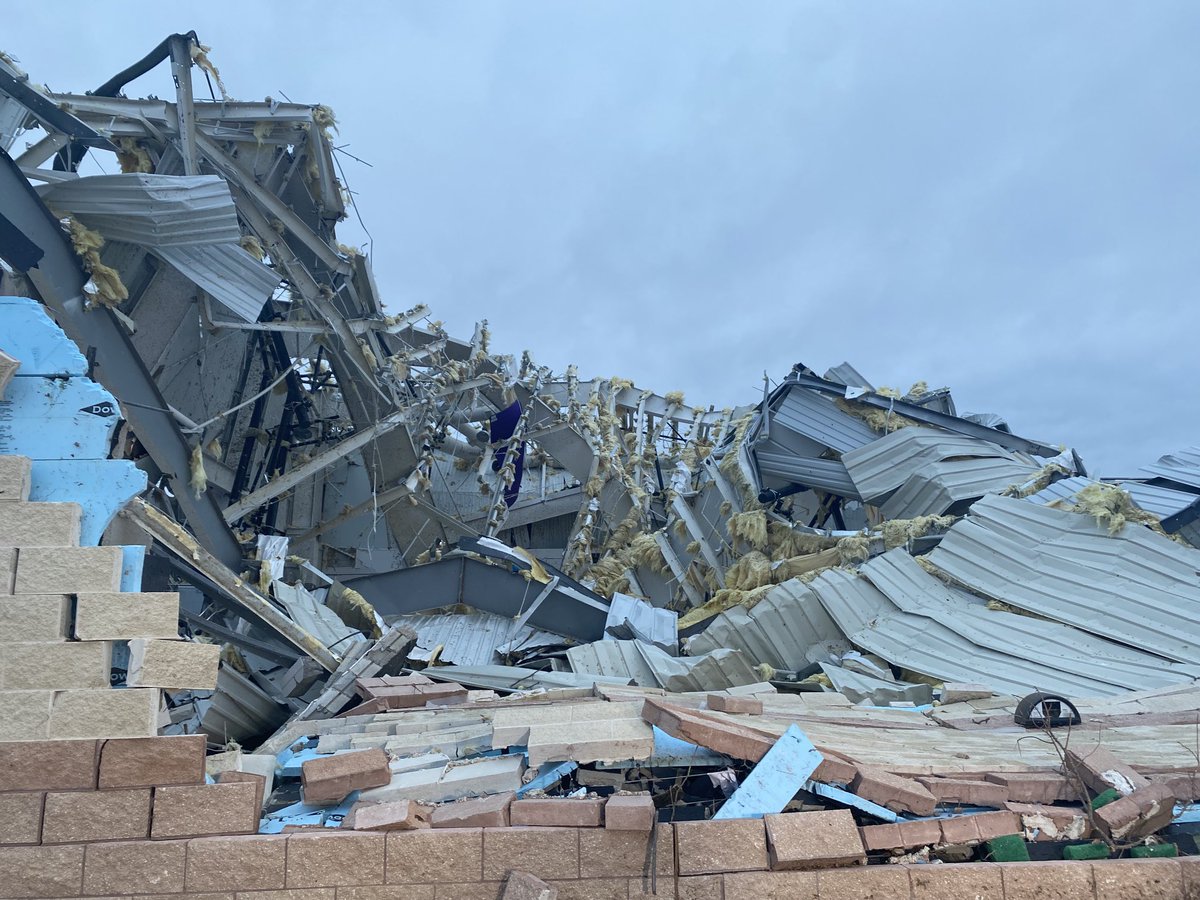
808 413
825 474
1182 466
937 486
471 638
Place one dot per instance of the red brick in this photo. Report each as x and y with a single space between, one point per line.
922 833
863 883
135 867
1048 880
549 853
1034 787
442 855
259 781
997 824
725 703
959 830
74 817
814 840
1141 813
1052 822
834 769
486 812
330 860
558 811
630 812
1139 879
979 881
725 845
41 871
21 818
1099 769
966 791
330 779
152 761
722 736
243 863
896 793
48 766
1185 785
881 837
205 809
771 886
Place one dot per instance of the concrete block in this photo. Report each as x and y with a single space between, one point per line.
834 769
174 665
152 761
55 666
729 845
523 886
122 616
749 706
490 812
558 811
732 739
814 840
1049 880
329 779
1142 879
21 818
25 715
400 815
440 856
624 854
33 618
978 881
794 885
966 792
129 712
75 817
261 790
328 860
630 812
40 524
1099 769
549 853
41 871
960 691
1137 815
881 837
1034 787
923 833
893 792
123 868
48 766
864 882
607 740
14 476
8 569
68 570
959 830
205 809
241 863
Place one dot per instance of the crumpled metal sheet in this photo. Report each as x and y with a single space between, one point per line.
650 667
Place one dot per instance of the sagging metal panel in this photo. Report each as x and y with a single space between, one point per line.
1182 466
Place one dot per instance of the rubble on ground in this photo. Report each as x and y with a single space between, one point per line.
274 561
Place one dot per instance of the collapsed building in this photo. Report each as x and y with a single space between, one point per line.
274 559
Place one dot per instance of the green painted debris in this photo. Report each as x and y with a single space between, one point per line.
1009 848
1086 851
1106 798
1154 850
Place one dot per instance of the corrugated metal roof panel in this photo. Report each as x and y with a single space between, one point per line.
848 375
808 413
651 667
1136 587
1158 501
232 276
938 486
825 474
471 638
1182 466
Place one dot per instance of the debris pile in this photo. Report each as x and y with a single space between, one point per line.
437 589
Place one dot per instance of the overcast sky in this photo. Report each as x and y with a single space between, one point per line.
1002 197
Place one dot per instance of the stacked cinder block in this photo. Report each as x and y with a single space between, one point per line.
61 609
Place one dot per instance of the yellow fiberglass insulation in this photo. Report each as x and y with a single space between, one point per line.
353 609
675 398
198 478
881 420
898 532
644 551
200 57
750 527
807 564
787 543
1041 479
856 548
132 157
751 571
87 243
609 576
722 600
1111 506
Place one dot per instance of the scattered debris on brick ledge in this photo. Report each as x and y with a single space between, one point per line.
299 595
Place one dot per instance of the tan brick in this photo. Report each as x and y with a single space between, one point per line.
980 881
387 892
1189 866
863 883
477 890
881 837
8 570
1048 880
324 860
205 809
966 791
558 811
1034 787
243 863
394 815
40 524
749 706
174 665
698 887
997 824
259 782
726 845
920 833
834 769
330 779
33 618
152 761
486 812
892 791
48 766
55 666
587 889
25 715
41 871
1143 812
21 818
67 570
959 830
81 816
440 855
771 886
1139 879
630 812
302 894
121 616
548 853
620 854
126 712
15 477
814 840
1100 769
134 867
